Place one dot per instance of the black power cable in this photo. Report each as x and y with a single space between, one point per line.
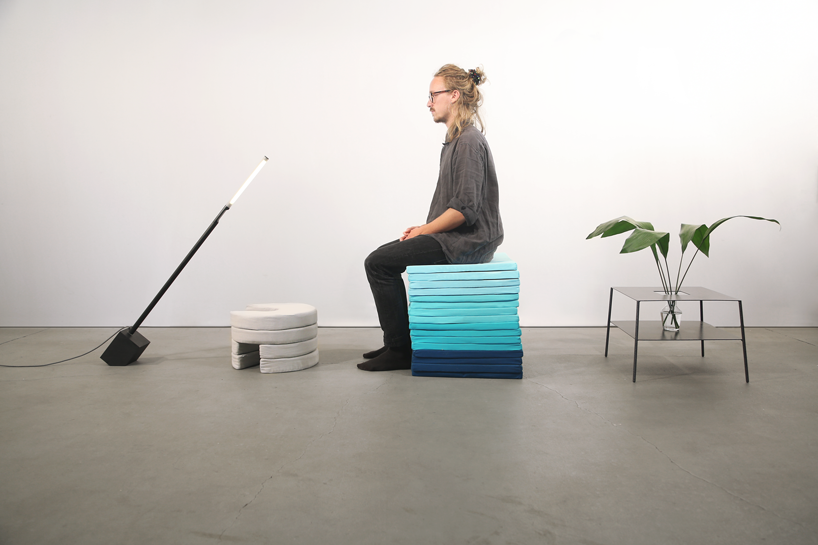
69 359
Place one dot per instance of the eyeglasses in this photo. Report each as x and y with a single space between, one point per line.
433 95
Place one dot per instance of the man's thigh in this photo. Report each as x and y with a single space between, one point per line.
421 250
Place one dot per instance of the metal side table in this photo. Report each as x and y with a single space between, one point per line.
689 331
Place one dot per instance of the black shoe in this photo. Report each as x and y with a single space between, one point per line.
391 360
375 353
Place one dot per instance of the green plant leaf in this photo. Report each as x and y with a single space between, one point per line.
617 226
645 225
644 238
688 232
664 244
703 244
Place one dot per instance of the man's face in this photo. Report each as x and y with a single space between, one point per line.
442 108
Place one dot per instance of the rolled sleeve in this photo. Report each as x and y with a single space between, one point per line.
469 213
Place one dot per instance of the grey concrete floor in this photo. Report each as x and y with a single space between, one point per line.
180 448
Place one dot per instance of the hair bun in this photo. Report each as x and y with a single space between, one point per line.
477 76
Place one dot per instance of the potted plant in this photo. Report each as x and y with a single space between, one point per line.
644 236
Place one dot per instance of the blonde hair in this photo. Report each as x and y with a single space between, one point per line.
466 107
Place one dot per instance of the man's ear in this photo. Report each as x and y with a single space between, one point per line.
455 95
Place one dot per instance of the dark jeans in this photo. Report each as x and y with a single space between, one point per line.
383 270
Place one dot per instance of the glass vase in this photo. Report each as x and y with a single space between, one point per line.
671 316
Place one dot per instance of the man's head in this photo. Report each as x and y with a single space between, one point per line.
442 101
454 98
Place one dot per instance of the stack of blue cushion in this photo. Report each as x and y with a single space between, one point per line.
463 320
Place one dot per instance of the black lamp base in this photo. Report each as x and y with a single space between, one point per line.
125 348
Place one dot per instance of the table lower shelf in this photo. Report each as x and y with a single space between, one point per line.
690 331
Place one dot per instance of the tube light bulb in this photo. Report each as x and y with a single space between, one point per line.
250 179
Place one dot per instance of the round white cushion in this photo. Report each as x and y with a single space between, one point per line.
274 316
243 361
285 365
291 350
284 336
241 348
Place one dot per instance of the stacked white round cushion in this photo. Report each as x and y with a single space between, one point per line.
274 317
286 333
243 361
285 365
290 350
285 336
244 355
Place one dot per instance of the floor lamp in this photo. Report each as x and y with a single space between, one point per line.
129 344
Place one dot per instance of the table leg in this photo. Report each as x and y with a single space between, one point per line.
608 335
636 341
701 317
743 342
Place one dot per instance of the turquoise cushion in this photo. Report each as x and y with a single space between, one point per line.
468 363
432 356
453 327
464 283
465 291
463 319
419 333
469 375
421 345
475 275
487 311
418 368
464 341
420 298
501 262
419 305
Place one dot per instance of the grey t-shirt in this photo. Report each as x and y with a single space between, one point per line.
468 184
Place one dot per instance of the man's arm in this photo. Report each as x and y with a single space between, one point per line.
448 220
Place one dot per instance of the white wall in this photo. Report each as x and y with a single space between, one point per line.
126 126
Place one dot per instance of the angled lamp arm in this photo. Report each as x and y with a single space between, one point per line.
128 345
181 266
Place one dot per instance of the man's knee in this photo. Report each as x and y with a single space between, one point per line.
370 261
379 257
375 262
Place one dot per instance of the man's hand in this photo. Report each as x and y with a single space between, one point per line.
408 232
448 220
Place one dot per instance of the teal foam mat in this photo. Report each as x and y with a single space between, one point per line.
455 327
495 360
501 262
468 375
500 290
464 342
432 356
419 284
476 275
483 311
463 319
420 333
418 305
464 298
460 368
419 345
